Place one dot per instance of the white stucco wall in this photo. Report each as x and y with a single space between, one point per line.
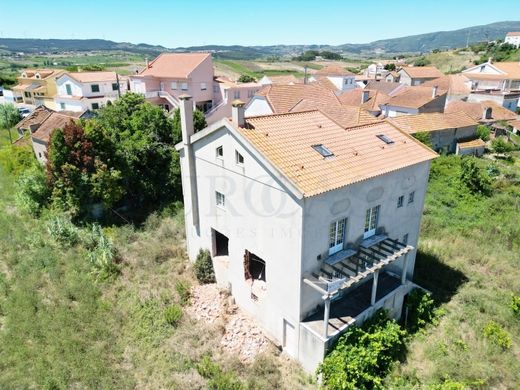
258 106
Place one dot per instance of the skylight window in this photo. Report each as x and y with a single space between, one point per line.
321 149
386 139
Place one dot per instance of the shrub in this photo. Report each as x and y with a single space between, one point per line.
62 230
363 356
204 267
483 132
497 335
173 315
499 145
424 137
245 78
421 309
17 159
473 178
421 61
103 254
183 290
217 378
33 193
515 305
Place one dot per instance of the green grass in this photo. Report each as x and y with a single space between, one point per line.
468 256
61 326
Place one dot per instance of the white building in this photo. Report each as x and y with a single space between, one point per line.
80 91
513 38
502 76
310 227
335 78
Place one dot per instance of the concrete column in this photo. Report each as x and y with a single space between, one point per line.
374 288
326 316
238 112
405 266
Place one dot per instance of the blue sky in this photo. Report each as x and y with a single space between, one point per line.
187 23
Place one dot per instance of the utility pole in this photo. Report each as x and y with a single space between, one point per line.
118 86
305 75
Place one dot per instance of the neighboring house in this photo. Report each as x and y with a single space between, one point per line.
515 124
513 38
486 112
41 123
415 100
37 87
457 85
416 75
370 100
225 91
335 78
502 76
310 227
81 91
170 75
445 130
392 77
506 99
279 99
475 147
282 79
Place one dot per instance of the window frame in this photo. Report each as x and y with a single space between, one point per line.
203 86
92 89
220 200
62 106
115 86
371 221
400 201
338 229
219 155
184 86
239 156
68 89
97 106
174 85
411 197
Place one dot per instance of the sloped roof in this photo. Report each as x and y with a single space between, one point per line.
286 140
511 68
89 77
433 122
414 97
44 73
174 65
282 98
333 70
515 123
35 118
56 120
476 143
353 98
455 84
513 34
476 110
284 79
422 72
388 88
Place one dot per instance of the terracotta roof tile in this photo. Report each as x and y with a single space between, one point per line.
513 34
476 110
422 72
471 144
55 121
282 98
353 98
89 77
174 65
284 79
511 68
455 84
386 87
286 141
432 122
414 97
35 118
333 70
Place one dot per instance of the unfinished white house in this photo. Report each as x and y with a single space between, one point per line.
311 226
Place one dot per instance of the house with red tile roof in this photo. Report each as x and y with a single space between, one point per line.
311 226
335 78
415 100
416 75
170 75
502 76
81 91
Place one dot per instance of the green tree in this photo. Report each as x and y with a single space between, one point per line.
390 67
422 61
483 132
499 145
245 78
9 116
424 137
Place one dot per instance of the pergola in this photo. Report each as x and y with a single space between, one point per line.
350 266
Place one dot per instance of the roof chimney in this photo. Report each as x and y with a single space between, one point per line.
364 96
186 108
434 91
490 59
238 113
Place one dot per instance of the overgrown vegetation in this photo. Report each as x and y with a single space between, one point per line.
204 267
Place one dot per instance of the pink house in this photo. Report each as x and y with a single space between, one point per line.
170 75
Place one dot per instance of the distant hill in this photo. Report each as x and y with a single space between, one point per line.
31 45
409 44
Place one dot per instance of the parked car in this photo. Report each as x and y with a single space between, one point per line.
24 112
